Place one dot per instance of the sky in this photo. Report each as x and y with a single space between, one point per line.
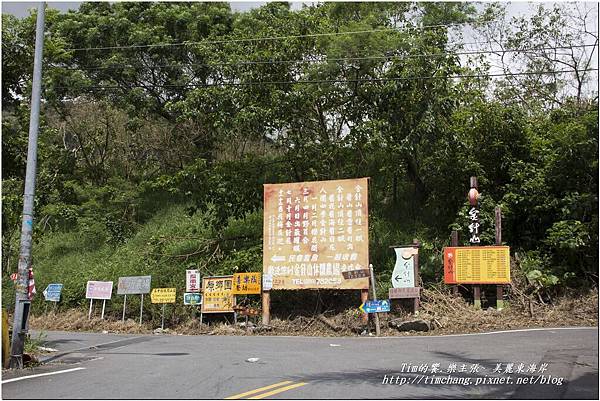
20 8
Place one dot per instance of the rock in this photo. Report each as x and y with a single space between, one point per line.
410 325
252 360
158 331
243 324
104 331
263 328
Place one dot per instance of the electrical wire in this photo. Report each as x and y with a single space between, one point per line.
270 38
267 62
359 80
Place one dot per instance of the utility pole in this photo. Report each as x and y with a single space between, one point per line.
22 301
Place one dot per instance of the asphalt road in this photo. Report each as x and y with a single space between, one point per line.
105 366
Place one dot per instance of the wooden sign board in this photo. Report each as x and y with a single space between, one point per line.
245 311
246 283
400 293
477 265
315 231
354 274
218 294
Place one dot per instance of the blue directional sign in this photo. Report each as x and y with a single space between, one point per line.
52 292
375 306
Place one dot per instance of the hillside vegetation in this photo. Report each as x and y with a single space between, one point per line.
152 157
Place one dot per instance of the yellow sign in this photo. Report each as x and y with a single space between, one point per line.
315 231
246 283
217 294
477 265
162 295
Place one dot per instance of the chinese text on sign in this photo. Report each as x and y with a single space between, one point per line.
314 231
218 295
477 265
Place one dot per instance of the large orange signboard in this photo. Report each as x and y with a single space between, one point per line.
314 231
477 265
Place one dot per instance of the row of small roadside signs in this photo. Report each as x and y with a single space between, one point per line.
215 295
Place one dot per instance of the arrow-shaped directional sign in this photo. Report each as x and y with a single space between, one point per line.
277 258
52 292
375 306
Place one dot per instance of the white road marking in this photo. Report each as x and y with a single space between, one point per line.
449 335
40 375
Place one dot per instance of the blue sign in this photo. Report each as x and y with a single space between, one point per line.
52 292
192 298
375 306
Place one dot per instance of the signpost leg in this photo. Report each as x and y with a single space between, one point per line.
454 242
124 303
162 324
364 297
90 314
499 296
103 306
141 308
417 275
499 287
477 296
200 315
377 327
266 307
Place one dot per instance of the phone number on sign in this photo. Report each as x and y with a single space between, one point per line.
317 281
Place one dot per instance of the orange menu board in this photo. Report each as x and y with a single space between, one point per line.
477 265
314 231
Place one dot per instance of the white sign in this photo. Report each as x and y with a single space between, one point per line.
192 281
267 281
99 289
403 275
134 285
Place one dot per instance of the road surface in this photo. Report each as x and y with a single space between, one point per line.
539 364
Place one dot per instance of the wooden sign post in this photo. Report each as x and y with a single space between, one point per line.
313 233
454 242
478 265
474 232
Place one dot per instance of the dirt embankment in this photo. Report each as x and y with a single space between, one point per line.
445 314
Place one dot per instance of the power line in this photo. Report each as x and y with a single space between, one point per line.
267 62
359 80
267 38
